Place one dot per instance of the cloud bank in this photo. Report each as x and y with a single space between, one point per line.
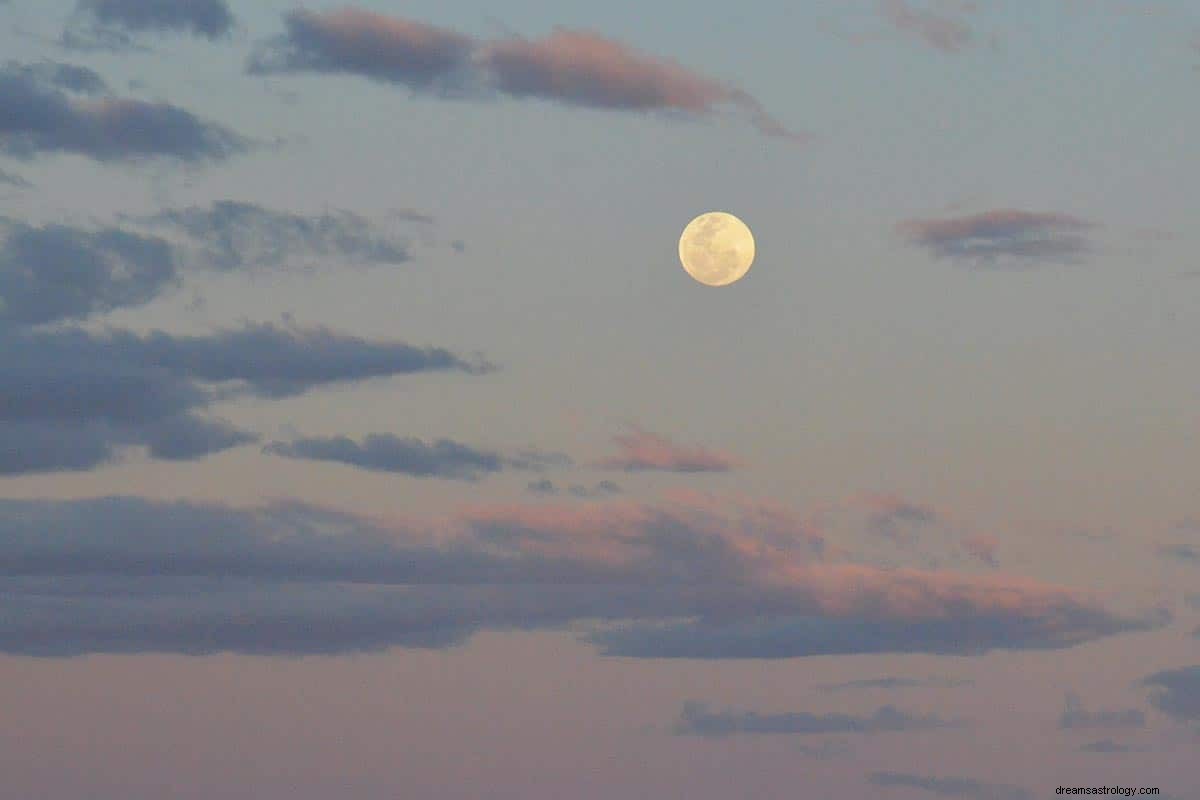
728 580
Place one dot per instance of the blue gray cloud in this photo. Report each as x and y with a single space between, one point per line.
1075 716
73 399
696 719
234 235
1002 237
895 683
442 458
59 112
951 787
113 24
1176 693
131 575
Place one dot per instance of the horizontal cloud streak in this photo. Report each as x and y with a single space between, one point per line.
697 720
104 391
443 458
235 234
1002 236
951 787
207 18
573 67
306 580
1176 693
641 450
1074 716
37 115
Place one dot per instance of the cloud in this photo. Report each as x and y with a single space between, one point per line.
982 548
697 720
545 486
235 235
210 19
1001 237
133 575
72 398
443 458
895 518
353 41
895 683
572 67
12 179
71 77
941 31
641 450
951 787
1074 716
1106 746
38 115
1176 693
56 272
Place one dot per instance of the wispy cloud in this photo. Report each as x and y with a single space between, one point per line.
234 235
573 67
895 683
1002 237
951 787
1176 693
111 24
945 30
641 450
1075 716
42 113
696 719
443 458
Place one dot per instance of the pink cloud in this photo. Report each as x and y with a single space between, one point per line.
642 450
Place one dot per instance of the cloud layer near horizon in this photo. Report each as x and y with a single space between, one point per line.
129 575
572 67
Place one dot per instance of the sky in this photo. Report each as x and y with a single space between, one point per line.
362 436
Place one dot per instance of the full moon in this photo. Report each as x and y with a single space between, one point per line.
716 248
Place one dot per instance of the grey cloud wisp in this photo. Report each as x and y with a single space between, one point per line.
1002 237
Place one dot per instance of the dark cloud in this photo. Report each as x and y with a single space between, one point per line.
1176 693
1181 552
982 548
56 272
442 458
601 489
234 235
1001 237
207 18
131 575
577 68
951 787
37 115
697 720
640 450
71 77
1075 716
352 41
895 683
897 519
941 30
548 487
12 179
105 391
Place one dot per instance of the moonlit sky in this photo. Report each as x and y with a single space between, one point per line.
361 435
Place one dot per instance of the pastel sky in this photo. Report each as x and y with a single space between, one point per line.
361 435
